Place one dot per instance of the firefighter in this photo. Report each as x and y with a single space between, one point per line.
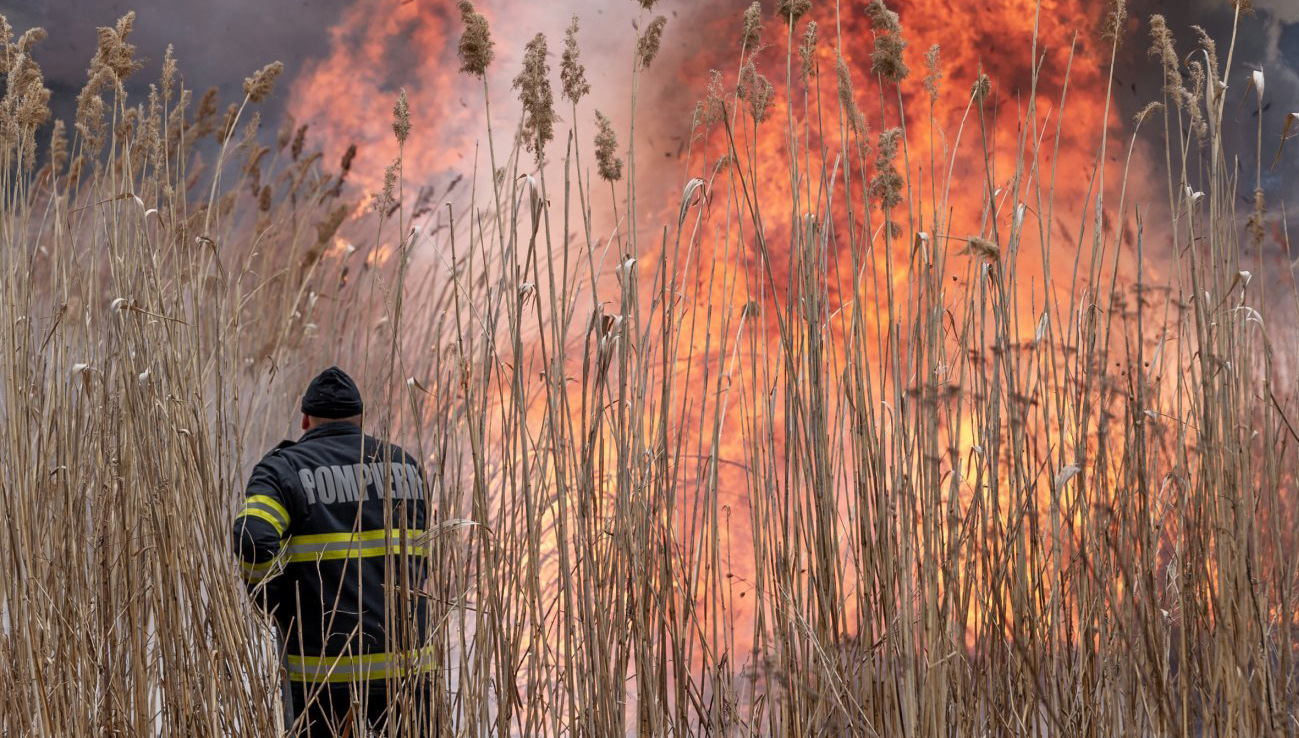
330 540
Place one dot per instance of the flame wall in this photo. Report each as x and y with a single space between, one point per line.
377 48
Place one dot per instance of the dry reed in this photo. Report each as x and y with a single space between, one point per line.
877 482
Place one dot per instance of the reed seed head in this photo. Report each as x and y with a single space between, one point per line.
259 86
401 118
533 84
168 79
571 72
1147 111
176 116
933 80
1162 48
205 115
1192 100
125 129
807 51
847 98
1115 18
25 106
58 146
155 106
329 225
386 199
648 46
981 88
348 156
792 10
886 186
606 149
18 66
227 123
982 248
751 35
757 91
886 60
6 40
253 165
476 42
882 19
1210 48
91 109
33 107
299 141
114 50
26 98
714 104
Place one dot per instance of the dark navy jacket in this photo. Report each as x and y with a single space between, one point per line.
332 542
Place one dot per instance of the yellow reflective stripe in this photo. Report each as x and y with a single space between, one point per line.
333 669
365 535
270 503
254 572
332 546
268 517
354 553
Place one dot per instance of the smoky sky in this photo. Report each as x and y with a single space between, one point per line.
219 43
1268 42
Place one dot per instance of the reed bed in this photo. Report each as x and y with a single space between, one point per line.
820 455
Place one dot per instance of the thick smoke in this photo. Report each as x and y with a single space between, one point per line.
1268 42
217 43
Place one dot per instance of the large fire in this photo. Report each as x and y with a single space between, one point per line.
379 47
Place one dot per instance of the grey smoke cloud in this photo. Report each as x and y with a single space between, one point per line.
1268 42
217 43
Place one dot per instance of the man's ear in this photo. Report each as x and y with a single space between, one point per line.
306 422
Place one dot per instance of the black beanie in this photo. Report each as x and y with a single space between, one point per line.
332 395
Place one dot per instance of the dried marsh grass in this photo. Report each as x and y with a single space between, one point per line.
874 480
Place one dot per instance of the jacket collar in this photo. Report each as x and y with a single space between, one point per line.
331 429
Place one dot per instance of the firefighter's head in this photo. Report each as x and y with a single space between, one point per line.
332 397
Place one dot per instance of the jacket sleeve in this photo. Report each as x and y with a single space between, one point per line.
261 524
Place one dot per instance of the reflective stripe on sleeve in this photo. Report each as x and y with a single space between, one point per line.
333 669
330 546
268 509
254 573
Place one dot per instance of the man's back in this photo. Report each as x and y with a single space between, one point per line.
332 536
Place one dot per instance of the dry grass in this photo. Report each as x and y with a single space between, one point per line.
877 482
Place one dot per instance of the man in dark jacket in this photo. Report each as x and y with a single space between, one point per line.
331 542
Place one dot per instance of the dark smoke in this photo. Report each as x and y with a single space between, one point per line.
1267 41
217 43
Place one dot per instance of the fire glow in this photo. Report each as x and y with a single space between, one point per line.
971 140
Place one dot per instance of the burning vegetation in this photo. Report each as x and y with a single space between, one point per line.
935 402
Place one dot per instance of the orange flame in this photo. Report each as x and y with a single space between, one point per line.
348 96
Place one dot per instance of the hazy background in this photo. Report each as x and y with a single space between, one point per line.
346 60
